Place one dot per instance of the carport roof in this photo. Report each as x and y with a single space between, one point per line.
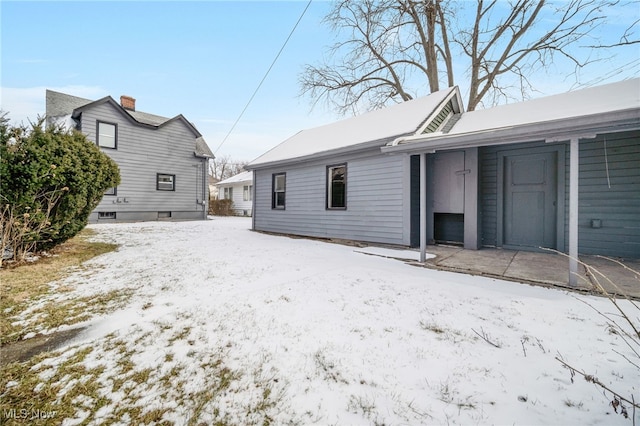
610 107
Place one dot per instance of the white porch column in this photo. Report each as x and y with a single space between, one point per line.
574 164
423 207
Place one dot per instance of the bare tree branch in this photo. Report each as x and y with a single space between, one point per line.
394 50
595 381
223 167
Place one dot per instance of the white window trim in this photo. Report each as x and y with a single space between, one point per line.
158 183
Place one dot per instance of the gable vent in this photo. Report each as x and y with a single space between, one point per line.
440 119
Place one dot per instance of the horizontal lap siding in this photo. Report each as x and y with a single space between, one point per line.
142 153
239 204
614 201
374 201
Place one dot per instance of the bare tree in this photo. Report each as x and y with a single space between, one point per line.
223 167
395 50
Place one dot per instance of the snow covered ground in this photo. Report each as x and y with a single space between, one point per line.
340 336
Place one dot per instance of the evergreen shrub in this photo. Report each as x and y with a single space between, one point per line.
51 179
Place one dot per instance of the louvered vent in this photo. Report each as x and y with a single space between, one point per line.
440 119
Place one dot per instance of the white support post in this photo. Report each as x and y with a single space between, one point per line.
423 207
574 165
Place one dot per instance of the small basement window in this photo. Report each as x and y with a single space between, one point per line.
106 215
164 215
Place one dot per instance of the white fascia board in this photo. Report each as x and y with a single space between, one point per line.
354 149
560 130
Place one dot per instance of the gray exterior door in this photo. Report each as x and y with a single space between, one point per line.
530 200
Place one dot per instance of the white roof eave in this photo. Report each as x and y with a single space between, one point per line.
551 131
353 149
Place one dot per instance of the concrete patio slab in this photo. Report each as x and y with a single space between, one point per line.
615 276
488 261
549 269
546 268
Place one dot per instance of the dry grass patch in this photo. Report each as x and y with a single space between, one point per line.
26 282
25 393
115 381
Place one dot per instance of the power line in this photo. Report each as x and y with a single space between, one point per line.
265 77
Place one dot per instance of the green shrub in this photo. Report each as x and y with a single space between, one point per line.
50 181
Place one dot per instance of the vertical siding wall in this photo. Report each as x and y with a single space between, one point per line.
377 203
488 197
616 206
613 198
142 153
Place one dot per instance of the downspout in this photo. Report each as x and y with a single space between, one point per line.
205 187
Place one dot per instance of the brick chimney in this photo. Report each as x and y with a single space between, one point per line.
128 102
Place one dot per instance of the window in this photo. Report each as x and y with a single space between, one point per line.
228 193
166 182
107 135
337 187
279 185
106 215
164 215
247 193
111 191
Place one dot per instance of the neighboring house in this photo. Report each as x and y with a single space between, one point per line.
239 189
560 172
213 189
163 161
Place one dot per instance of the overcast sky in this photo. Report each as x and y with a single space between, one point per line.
202 59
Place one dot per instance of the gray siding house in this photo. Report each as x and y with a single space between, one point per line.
559 172
163 161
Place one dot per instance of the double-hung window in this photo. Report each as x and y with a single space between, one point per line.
228 193
107 135
247 193
278 191
337 187
165 182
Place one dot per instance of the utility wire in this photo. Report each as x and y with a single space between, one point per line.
265 77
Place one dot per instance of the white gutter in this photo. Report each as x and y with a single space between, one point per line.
415 138
565 128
